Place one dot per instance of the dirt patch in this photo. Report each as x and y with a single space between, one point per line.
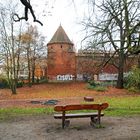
64 92
58 90
47 128
23 103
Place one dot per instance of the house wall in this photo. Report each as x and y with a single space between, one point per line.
89 66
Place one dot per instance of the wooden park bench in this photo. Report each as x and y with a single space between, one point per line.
94 116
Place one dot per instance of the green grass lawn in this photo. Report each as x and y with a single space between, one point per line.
8 113
125 106
118 106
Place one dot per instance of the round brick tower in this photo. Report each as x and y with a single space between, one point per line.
61 57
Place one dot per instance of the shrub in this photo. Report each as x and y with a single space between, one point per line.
100 88
42 80
133 79
133 90
20 84
45 80
97 86
3 82
92 83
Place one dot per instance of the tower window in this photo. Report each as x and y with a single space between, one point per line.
61 46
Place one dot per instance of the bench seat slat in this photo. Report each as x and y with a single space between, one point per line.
78 115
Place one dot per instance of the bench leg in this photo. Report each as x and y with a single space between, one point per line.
94 121
63 119
65 123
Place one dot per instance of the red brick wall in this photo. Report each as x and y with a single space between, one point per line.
61 60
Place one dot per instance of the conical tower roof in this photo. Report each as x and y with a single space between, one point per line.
60 36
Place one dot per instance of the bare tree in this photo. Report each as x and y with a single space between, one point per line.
33 49
38 49
110 27
10 48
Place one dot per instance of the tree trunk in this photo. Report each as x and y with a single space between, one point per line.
33 76
29 66
33 71
139 61
121 59
120 69
120 78
13 88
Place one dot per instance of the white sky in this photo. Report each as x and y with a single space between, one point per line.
52 13
62 12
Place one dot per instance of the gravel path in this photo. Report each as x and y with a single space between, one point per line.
47 128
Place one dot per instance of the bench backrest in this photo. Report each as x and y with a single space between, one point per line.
81 107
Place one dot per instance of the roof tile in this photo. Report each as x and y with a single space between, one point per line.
60 36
